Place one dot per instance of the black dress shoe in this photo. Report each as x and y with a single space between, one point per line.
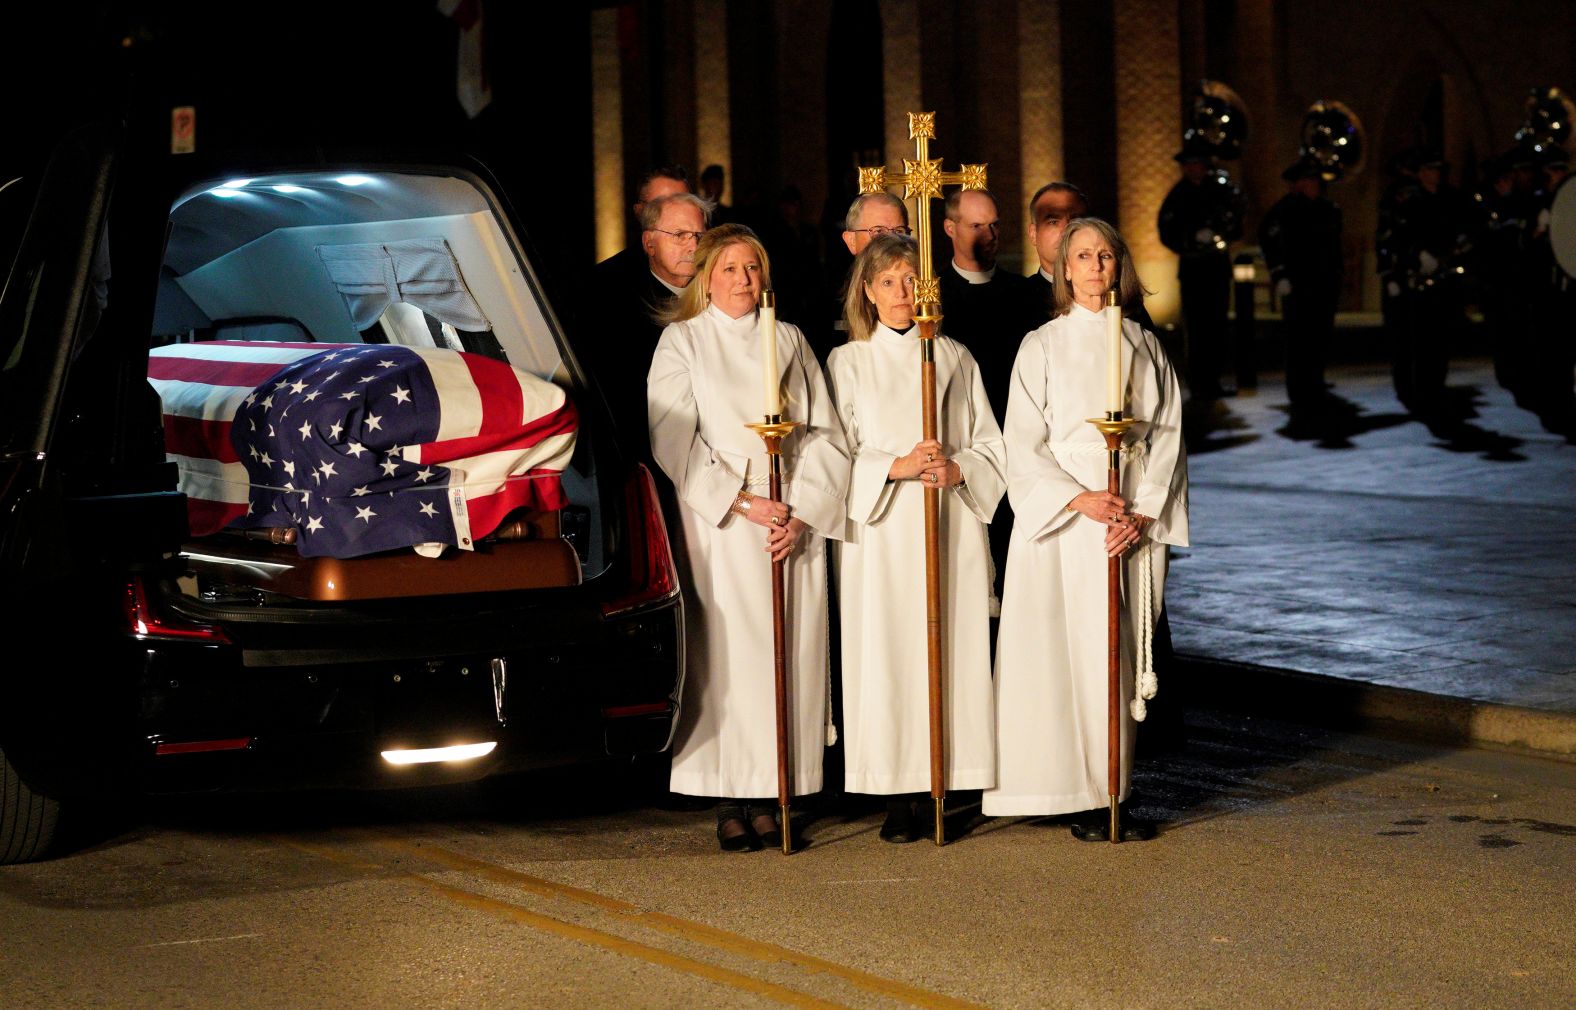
1089 827
735 835
901 825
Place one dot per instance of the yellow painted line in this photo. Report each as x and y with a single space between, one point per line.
581 934
711 936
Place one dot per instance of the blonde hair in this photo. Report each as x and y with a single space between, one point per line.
883 253
1130 290
692 301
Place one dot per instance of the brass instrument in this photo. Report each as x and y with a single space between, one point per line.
1548 123
1218 121
1333 139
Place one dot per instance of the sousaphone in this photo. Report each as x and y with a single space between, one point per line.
1333 139
1548 124
1218 121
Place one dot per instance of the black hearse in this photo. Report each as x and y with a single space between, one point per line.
143 658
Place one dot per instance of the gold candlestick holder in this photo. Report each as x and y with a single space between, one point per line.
773 429
1114 426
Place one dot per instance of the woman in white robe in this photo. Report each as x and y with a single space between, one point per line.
1051 680
704 386
875 380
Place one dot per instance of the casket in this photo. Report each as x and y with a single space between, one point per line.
312 470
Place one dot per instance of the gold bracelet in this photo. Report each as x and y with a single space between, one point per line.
741 504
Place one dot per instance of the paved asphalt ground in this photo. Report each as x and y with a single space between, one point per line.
1296 868
1298 865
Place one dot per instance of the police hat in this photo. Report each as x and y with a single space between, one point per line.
1194 148
1303 168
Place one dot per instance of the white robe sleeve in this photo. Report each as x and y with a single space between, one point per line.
819 489
1162 494
869 490
705 479
1037 486
983 455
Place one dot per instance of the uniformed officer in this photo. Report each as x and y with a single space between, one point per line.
1199 219
1301 239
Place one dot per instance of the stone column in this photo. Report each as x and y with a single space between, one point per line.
1148 132
1039 107
607 133
900 70
713 143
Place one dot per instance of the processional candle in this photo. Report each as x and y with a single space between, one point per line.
770 379
1113 357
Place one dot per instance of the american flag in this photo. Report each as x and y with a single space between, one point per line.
361 448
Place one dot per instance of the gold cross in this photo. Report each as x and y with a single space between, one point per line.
922 178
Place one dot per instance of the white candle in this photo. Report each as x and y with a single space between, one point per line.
770 379
1113 357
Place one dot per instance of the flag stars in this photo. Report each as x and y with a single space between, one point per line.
351 395
365 379
358 492
385 364
268 402
373 422
290 467
328 469
253 450
389 466
365 514
305 430
251 399
355 449
280 385
314 523
265 459
335 429
314 394
423 475
428 510
298 387
401 394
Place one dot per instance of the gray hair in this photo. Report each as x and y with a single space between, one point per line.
1130 290
851 222
651 213
955 201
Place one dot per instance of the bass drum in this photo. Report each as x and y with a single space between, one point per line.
1562 228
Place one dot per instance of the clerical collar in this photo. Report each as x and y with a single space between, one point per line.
1048 278
974 276
676 291
887 334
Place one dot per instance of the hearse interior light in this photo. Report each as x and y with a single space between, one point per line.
224 192
431 755
353 180
288 188
238 183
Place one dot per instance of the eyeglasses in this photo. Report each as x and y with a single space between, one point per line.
682 236
878 231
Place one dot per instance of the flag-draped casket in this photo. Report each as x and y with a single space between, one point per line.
359 447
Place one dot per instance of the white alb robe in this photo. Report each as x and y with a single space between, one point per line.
881 567
703 387
1051 694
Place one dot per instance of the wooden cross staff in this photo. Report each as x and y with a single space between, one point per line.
922 179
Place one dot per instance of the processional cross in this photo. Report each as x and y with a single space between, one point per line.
922 179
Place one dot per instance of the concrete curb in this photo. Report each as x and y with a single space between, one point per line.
1333 701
